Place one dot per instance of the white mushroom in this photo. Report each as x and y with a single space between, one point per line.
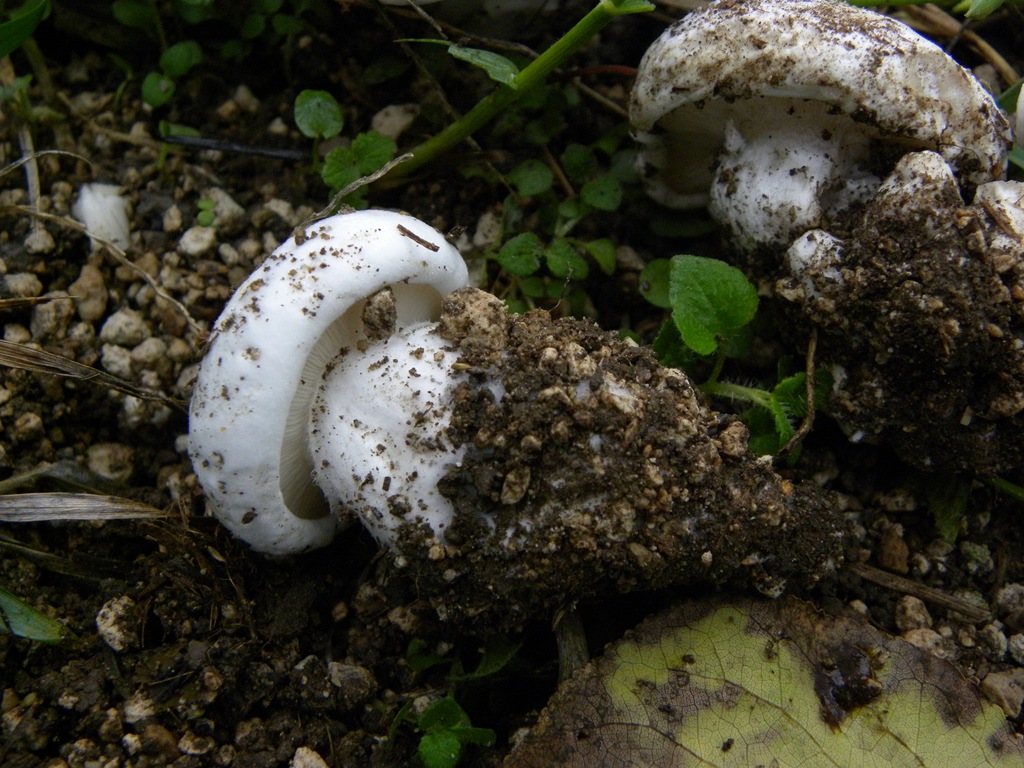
251 408
509 463
782 114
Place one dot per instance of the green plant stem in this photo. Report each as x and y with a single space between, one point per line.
532 75
737 392
1012 490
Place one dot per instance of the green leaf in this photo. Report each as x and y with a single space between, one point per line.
669 348
373 151
22 620
157 89
603 252
531 178
533 287
764 439
194 11
136 14
440 750
632 6
654 282
521 255
420 657
981 8
252 26
580 162
603 193
285 24
481 736
167 128
498 652
180 58
22 24
498 68
443 715
948 496
318 114
781 419
564 261
710 300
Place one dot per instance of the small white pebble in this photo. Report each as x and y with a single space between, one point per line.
196 241
1015 647
126 327
305 757
116 623
911 613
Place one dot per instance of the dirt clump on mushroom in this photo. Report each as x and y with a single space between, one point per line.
921 312
598 471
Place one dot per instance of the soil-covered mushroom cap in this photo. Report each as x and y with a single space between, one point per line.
250 409
781 114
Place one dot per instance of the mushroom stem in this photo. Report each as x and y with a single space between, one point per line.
797 168
384 452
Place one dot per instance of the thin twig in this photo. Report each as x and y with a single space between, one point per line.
114 251
810 392
974 613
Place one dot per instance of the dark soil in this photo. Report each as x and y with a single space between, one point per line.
185 648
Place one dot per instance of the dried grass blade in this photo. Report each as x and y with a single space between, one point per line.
10 305
31 359
51 507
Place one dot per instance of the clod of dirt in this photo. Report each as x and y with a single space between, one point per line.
589 469
920 312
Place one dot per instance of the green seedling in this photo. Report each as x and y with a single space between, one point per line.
368 152
318 117
713 305
166 129
158 87
544 265
20 24
205 216
446 728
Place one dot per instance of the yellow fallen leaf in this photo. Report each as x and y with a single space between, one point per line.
762 683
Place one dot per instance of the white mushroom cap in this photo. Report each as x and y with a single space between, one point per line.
251 404
796 93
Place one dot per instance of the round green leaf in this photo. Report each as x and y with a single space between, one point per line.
654 283
580 162
520 256
603 193
710 299
180 58
157 89
318 114
564 261
531 177
603 252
